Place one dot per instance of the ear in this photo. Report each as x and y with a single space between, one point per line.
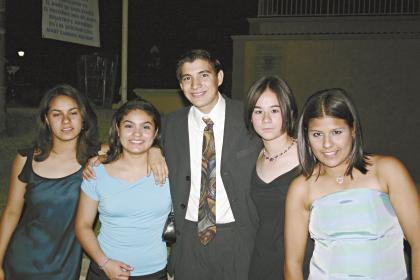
46 120
220 77
117 129
181 86
156 133
353 131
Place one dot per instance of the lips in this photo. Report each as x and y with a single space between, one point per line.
137 142
198 94
67 129
330 154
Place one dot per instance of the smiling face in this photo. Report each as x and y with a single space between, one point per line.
331 140
200 82
64 118
267 117
137 132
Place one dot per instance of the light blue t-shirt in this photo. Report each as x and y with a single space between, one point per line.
132 217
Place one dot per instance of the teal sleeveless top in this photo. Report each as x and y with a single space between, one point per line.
357 236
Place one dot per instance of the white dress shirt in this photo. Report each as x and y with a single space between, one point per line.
195 130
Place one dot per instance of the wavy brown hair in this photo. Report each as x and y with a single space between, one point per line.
115 147
87 142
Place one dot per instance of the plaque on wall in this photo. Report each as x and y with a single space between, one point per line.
268 60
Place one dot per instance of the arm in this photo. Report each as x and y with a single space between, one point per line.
85 217
405 200
157 164
296 229
13 210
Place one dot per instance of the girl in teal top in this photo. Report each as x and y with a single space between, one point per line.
357 207
132 208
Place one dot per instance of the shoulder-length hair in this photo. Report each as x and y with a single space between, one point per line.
335 103
287 102
87 142
115 147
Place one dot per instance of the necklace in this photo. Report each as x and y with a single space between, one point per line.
273 158
339 179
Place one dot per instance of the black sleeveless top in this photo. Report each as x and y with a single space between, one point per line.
44 245
269 198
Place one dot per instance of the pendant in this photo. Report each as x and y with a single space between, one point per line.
339 179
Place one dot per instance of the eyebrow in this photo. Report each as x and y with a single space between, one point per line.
128 121
201 72
273 106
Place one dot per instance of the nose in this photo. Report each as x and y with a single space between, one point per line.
138 131
326 141
195 83
266 117
66 119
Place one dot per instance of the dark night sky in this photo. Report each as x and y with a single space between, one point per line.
174 26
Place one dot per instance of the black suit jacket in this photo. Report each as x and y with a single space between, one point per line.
239 154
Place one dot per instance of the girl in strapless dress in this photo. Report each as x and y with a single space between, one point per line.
357 207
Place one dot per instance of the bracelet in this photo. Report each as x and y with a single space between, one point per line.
101 266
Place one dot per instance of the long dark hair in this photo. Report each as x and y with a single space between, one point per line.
115 147
87 142
333 103
287 102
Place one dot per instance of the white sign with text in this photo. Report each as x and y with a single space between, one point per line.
75 21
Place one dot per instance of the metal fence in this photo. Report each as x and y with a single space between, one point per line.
273 8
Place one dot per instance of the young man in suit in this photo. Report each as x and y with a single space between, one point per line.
223 250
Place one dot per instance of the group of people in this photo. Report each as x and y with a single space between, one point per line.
257 192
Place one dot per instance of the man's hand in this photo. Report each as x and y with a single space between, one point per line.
88 172
157 165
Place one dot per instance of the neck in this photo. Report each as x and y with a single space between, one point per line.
334 172
64 148
134 160
277 145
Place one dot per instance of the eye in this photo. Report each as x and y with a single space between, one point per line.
55 115
147 126
205 75
186 78
74 113
337 131
257 111
275 110
128 125
316 134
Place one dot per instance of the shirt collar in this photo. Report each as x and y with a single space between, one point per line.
217 114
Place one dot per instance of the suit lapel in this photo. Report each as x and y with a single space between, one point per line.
230 133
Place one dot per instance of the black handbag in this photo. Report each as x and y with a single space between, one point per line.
169 231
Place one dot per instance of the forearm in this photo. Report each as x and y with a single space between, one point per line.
293 271
90 245
415 262
8 225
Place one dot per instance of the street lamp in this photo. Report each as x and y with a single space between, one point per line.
21 53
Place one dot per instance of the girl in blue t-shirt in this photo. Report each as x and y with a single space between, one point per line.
132 208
